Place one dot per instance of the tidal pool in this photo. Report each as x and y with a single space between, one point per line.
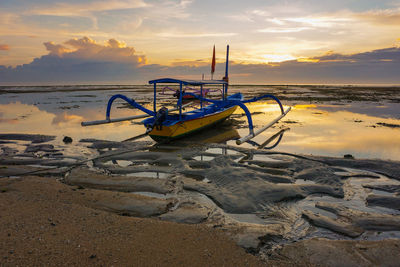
331 128
207 178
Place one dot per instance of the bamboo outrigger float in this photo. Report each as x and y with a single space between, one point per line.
162 124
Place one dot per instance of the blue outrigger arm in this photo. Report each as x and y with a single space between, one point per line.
241 104
251 128
148 113
217 105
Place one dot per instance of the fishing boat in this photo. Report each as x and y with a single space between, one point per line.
175 92
169 124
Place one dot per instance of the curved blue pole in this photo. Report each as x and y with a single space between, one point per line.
266 96
223 103
246 111
130 101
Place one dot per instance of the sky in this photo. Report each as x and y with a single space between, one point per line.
132 41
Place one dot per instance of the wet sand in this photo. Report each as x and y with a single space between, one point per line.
200 205
45 222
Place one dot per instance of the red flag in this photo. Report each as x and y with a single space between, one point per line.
213 62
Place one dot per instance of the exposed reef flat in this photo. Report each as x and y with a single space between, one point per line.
263 200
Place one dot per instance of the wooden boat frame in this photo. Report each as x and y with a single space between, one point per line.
162 124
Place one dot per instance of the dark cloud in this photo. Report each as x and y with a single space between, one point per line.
378 66
85 61
392 53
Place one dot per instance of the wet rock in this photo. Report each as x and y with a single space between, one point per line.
320 175
106 144
352 222
285 174
388 168
391 202
131 204
25 161
187 213
390 125
348 156
153 158
385 187
19 170
42 147
6 142
324 252
67 140
8 151
35 138
249 196
115 169
90 179
365 220
332 224
357 173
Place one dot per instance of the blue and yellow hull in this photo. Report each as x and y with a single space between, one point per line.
183 128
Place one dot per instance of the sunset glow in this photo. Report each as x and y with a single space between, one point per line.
169 33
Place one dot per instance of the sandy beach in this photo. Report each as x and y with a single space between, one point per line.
45 222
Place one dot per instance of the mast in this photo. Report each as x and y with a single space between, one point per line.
226 78
226 64
213 64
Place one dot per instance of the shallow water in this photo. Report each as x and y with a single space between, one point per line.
228 186
331 128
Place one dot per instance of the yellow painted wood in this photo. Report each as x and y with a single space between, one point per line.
182 128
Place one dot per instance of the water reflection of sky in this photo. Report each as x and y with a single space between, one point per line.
336 131
323 129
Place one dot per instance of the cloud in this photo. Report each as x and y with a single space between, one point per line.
82 9
87 61
283 30
385 17
78 60
390 54
377 66
4 47
89 50
194 35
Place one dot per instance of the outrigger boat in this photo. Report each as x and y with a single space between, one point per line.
163 125
176 93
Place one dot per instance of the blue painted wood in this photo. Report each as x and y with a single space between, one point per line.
187 82
155 98
130 101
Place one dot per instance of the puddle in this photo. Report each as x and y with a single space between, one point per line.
158 175
302 181
151 194
122 163
203 158
264 158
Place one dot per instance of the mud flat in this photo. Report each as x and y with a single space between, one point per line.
133 202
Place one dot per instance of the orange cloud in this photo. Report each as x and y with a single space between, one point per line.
4 47
87 48
54 49
380 17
